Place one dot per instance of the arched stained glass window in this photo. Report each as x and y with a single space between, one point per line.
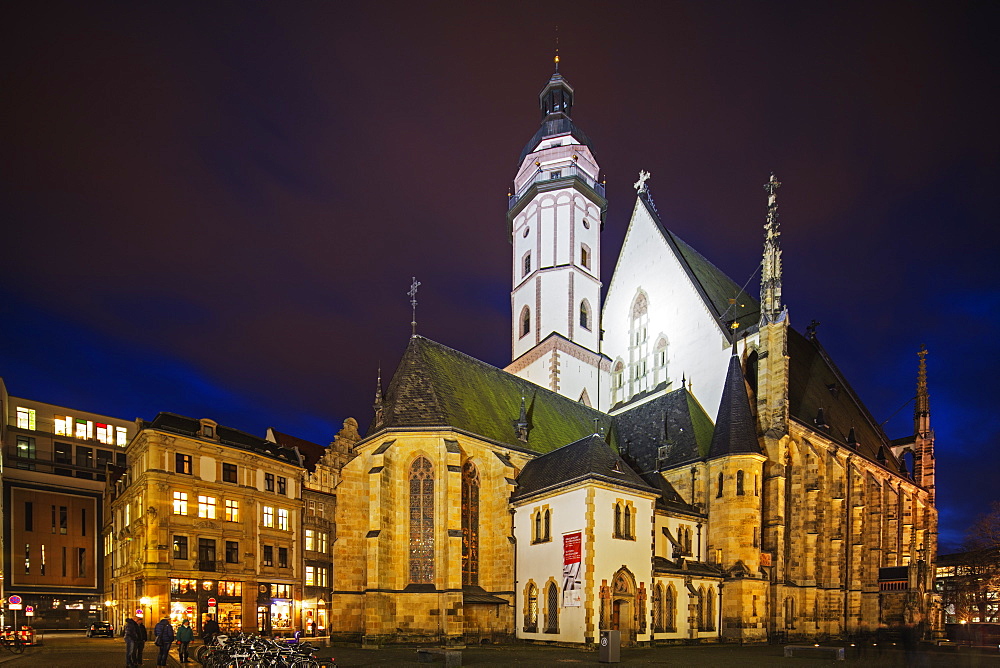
470 524
421 521
658 608
670 621
531 609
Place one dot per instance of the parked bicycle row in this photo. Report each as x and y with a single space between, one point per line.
247 651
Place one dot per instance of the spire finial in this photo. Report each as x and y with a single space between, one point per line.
922 408
413 304
378 398
556 59
640 185
770 276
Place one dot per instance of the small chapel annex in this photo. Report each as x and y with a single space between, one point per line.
588 487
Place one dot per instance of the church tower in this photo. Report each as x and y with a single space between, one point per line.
555 218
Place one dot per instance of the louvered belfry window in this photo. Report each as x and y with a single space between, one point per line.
422 521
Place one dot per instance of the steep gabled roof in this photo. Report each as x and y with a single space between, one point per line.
589 458
675 420
815 383
437 386
735 426
716 289
311 452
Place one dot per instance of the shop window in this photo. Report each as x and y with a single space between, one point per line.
229 473
182 463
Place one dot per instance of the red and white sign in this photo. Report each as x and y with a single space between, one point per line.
29 610
572 552
211 602
15 600
138 612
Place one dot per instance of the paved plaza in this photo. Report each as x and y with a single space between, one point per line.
74 650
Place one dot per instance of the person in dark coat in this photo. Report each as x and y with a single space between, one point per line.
135 638
164 635
210 629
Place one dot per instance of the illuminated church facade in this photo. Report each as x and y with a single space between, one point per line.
589 486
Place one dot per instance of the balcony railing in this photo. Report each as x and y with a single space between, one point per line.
555 174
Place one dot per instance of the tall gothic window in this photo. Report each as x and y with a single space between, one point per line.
739 483
525 321
718 492
531 609
422 521
585 315
660 361
470 524
670 618
710 609
639 343
658 608
552 608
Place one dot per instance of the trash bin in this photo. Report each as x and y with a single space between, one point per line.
611 645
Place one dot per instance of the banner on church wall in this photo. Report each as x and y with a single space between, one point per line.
572 587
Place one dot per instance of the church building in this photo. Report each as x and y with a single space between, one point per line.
590 486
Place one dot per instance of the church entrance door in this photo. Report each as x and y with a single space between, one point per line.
621 618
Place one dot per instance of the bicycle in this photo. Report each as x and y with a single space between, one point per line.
12 642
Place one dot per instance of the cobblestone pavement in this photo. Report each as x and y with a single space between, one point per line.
74 650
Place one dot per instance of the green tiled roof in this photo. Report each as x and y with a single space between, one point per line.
435 385
715 287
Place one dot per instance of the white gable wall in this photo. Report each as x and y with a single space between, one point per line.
696 346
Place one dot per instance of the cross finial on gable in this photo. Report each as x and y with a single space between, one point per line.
413 303
640 185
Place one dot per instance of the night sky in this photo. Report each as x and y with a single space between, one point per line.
216 209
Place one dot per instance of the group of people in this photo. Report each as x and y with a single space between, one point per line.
164 636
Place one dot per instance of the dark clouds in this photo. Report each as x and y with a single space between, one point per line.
216 209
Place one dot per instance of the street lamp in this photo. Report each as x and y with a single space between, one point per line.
144 603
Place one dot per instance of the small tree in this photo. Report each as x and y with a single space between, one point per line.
976 586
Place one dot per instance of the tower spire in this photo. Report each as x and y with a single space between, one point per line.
770 277
922 409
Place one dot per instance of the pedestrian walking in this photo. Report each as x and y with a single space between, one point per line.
210 629
135 638
185 634
164 635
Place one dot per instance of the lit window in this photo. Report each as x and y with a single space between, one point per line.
25 418
322 576
268 516
182 463
63 425
283 519
310 539
206 507
180 503
232 510
26 447
84 429
281 591
321 541
105 434
310 575
121 436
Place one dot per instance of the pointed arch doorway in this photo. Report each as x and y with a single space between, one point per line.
623 605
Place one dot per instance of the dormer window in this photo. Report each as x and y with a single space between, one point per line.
208 428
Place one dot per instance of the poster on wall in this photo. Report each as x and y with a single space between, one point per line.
572 587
